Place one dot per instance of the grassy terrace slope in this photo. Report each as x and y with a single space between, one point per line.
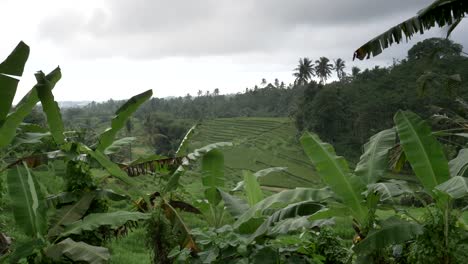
259 143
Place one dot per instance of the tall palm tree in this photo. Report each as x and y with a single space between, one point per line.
441 13
339 68
355 71
304 71
323 69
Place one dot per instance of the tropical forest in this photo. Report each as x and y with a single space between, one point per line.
337 164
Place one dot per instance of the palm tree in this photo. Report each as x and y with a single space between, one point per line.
323 69
339 68
216 91
199 93
304 71
441 13
264 82
355 71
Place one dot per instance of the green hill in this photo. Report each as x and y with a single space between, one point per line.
259 143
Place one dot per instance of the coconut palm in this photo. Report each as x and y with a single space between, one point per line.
441 13
339 68
323 69
355 71
304 71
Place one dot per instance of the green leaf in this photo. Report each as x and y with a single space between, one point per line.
392 231
456 187
70 213
295 224
282 199
118 122
50 107
202 151
24 107
117 145
389 190
185 141
26 249
259 174
212 167
304 208
94 221
173 182
252 188
459 164
110 166
12 65
422 150
27 201
374 160
78 252
235 206
335 173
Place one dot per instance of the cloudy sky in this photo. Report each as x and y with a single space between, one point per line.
117 48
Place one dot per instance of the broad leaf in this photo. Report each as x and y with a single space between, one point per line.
121 116
50 107
212 167
29 208
282 199
295 224
389 190
185 142
78 252
392 231
235 206
202 151
94 221
117 145
259 174
12 65
305 208
335 173
25 249
252 188
24 107
456 187
374 160
440 12
459 164
422 150
70 213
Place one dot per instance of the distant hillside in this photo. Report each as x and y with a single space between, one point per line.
259 143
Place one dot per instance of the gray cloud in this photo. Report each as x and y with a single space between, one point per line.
148 29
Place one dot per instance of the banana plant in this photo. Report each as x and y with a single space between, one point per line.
49 239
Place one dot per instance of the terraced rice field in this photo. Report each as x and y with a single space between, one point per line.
259 143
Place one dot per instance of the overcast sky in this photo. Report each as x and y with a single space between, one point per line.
117 48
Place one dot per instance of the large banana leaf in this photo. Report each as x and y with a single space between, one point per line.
459 164
212 166
93 221
295 210
422 150
78 252
29 208
295 224
50 107
335 173
12 65
24 107
185 141
110 166
252 188
235 206
374 160
259 174
118 122
24 249
117 145
392 231
456 187
68 214
389 190
282 199
440 12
